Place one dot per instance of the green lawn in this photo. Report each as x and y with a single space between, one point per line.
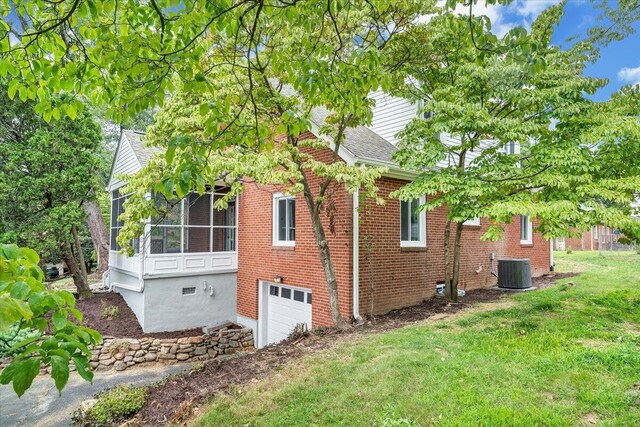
564 356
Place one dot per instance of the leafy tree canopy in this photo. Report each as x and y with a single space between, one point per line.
576 166
46 171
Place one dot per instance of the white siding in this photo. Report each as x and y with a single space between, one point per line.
390 115
124 163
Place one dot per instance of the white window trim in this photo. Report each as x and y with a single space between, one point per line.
528 241
473 221
274 220
422 222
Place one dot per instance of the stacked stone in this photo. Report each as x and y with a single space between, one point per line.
121 353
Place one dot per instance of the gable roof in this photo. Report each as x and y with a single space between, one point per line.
361 145
131 155
143 152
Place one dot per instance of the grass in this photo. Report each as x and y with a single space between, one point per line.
564 356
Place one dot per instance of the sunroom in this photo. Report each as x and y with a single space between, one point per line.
190 237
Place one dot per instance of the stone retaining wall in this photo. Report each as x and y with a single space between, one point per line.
121 353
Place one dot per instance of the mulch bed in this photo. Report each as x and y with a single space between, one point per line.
178 398
125 324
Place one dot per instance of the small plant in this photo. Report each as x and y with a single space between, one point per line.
569 250
14 336
113 407
109 311
391 419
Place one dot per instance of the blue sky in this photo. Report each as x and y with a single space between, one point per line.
619 62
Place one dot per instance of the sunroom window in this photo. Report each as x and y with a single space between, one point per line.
117 209
193 225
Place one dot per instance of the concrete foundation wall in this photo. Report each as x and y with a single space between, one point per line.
167 309
135 300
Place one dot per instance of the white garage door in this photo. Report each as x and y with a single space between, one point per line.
286 307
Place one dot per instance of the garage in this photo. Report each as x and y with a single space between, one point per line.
286 306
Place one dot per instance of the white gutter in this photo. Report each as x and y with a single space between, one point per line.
356 255
551 260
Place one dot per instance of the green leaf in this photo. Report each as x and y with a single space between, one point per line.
20 290
82 366
50 344
12 88
71 112
7 373
68 298
59 371
60 319
24 374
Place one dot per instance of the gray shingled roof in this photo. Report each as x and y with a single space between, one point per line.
360 141
142 152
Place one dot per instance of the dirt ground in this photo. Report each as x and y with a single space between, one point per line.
124 324
179 398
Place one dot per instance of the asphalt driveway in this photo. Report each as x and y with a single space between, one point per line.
41 405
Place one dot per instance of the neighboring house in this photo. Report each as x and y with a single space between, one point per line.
257 263
597 238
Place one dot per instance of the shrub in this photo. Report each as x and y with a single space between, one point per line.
14 336
113 407
569 250
110 311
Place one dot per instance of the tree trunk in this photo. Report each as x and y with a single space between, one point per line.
99 234
78 279
80 254
448 289
456 263
325 259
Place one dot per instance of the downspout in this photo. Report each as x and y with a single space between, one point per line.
141 254
356 256
551 260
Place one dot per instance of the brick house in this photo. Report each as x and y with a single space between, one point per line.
258 263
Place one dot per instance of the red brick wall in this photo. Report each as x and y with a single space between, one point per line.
401 276
406 276
300 266
588 241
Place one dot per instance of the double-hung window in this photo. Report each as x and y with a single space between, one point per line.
526 230
473 221
413 223
284 220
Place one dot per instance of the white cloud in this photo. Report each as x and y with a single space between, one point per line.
531 8
504 18
630 75
494 12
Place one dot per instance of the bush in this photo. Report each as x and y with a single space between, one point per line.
113 407
14 336
109 312
569 250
